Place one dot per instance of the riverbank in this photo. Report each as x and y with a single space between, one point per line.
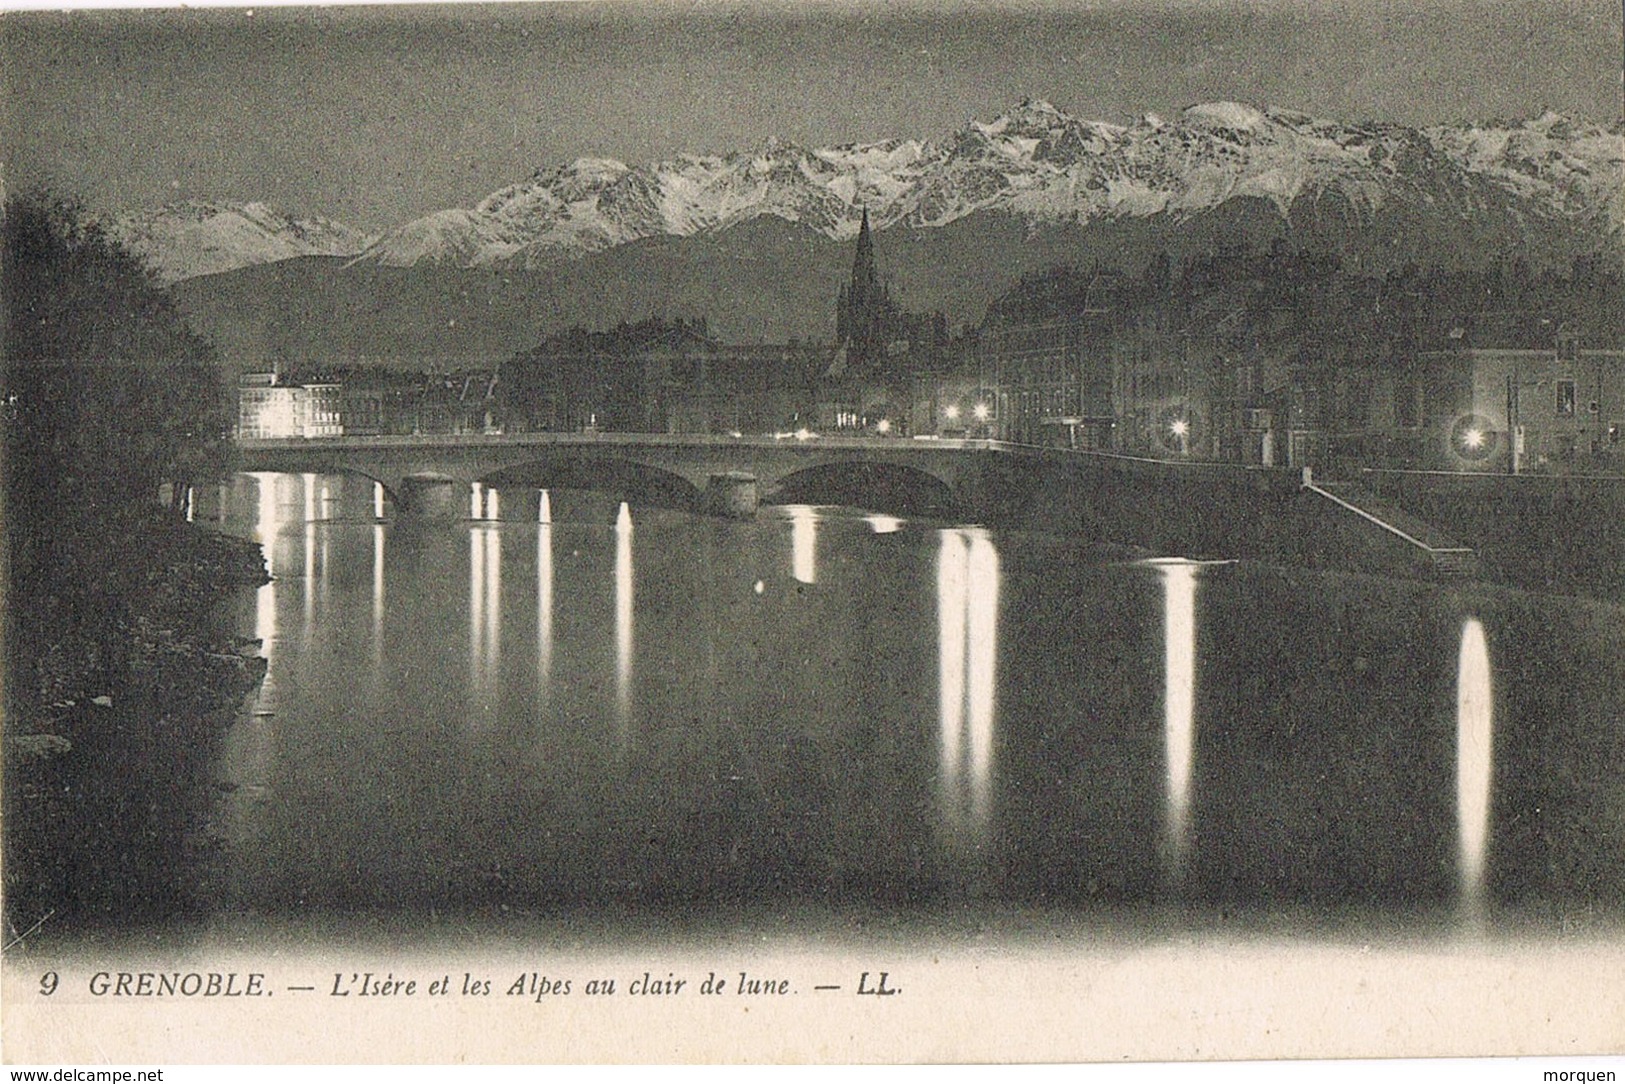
119 685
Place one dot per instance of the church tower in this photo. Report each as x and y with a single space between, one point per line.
863 305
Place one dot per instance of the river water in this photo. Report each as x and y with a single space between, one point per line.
830 706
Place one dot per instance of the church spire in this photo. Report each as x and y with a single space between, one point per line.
862 307
864 279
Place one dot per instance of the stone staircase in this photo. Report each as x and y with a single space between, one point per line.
1440 554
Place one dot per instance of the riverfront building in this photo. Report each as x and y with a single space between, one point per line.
1558 410
267 407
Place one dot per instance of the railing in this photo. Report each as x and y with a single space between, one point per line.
499 440
713 440
1450 555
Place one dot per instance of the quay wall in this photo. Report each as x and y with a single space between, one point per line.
1544 532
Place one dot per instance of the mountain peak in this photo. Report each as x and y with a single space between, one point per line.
1037 107
1228 115
201 237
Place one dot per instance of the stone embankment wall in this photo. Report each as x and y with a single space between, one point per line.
1549 533
1543 532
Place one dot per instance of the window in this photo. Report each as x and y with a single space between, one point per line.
1565 398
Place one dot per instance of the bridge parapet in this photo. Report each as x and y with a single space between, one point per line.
986 480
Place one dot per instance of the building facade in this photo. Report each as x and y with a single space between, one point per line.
1519 410
1051 380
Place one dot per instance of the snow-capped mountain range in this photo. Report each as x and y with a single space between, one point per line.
1034 162
184 240
1037 162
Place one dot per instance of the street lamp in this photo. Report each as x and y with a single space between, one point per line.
1181 430
1474 438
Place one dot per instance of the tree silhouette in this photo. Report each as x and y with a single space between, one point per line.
107 394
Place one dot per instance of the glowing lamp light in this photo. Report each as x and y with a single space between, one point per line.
981 412
277 418
952 413
1473 438
803 434
1180 428
883 425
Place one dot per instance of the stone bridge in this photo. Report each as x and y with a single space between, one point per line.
1176 506
677 471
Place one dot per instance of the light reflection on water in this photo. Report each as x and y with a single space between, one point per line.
968 630
544 607
927 749
803 543
493 606
623 623
476 610
377 598
267 528
484 612
1179 708
1475 715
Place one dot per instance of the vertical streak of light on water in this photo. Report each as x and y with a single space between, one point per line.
623 622
249 747
544 610
1475 728
544 508
377 598
323 565
493 607
953 592
266 528
476 610
309 585
982 637
266 520
1179 708
378 500
309 582
804 543
191 503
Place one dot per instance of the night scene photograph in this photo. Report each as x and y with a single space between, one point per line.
826 531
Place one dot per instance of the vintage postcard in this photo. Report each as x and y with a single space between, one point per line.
1032 531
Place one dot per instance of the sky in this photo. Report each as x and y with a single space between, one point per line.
374 116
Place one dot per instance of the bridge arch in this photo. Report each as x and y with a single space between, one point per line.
877 485
390 482
627 479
